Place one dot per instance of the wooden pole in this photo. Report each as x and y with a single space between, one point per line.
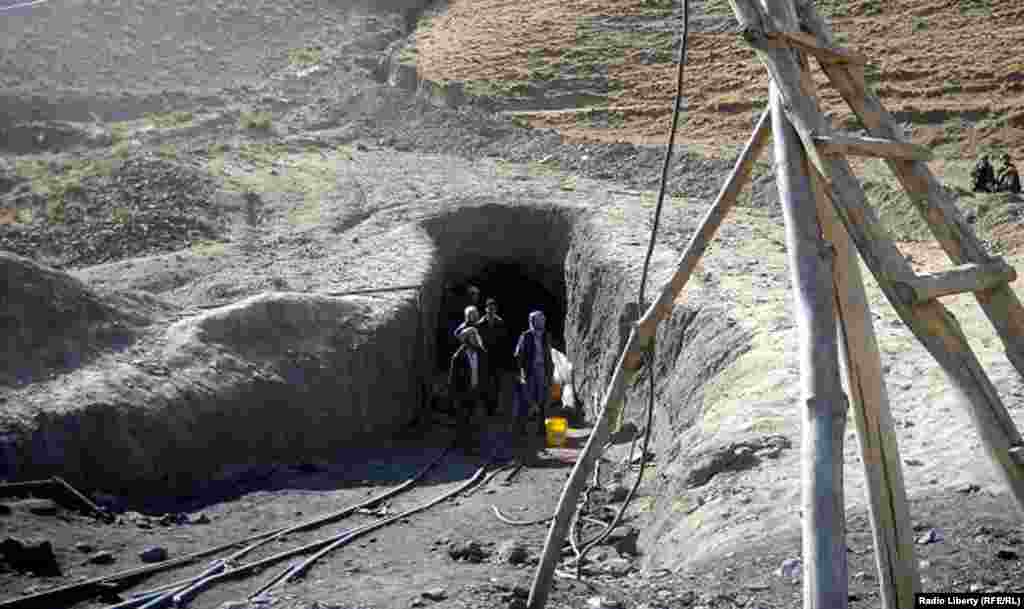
930 322
629 362
898 578
810 261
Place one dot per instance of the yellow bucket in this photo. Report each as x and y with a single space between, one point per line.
556 429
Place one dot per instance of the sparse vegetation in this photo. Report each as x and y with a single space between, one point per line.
255 121
305 56
121 215
170 119
167 151
119 132
121 150
24 215
55 181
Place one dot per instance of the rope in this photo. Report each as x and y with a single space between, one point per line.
582 552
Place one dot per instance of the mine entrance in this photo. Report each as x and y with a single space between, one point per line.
519 289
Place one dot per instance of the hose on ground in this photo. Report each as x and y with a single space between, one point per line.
165 595
301 568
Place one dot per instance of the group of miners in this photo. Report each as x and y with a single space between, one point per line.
475 370
986 178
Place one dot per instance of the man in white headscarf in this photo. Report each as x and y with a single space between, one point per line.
536 370
467 378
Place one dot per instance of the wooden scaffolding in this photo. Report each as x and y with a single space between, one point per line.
826 216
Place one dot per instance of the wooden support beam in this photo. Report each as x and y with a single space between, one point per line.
824 414
959 280
809 44
898 577
931 323
931 199
841 144
640 338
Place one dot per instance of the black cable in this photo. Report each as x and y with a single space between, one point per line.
668 152
581 553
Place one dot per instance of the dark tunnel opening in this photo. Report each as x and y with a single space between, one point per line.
518 289
513 253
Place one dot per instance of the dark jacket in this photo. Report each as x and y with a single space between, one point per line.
495 337
984 176
460 374
1009 179
524 355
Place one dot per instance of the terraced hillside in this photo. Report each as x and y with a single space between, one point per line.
951 69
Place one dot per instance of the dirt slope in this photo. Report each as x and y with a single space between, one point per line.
950 69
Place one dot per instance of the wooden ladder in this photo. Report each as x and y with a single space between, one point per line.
829 293
784 34
914 296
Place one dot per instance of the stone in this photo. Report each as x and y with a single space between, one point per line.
84 548
1007 554
930 536
200 519
140 520
35 557
469 551
603 602
173 519
40 507
512 552
623 538
154 554
967 489
790 568
101 558
435 594
235 605
617 493
619 567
